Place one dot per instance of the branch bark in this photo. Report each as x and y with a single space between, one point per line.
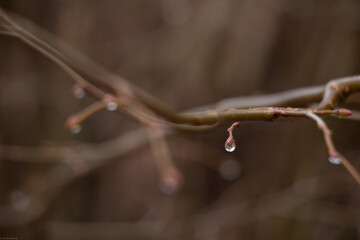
149 111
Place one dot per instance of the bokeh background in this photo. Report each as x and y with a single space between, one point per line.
278 183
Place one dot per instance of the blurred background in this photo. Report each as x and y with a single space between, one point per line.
277 184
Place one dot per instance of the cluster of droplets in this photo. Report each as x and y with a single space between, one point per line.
230 146
79 92
71 124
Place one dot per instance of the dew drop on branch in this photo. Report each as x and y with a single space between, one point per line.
75 129
230 144
78 92
334 160
111 106
171 182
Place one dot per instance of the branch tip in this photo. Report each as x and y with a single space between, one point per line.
343 112
171 181
230 144
72 124
111 102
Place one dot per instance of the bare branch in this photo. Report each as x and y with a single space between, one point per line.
334 156
337 90
149 111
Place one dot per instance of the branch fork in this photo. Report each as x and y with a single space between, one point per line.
115 93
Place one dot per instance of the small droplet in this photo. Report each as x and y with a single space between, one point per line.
78 92
334 160
111 106
166 189
75 129
230 144
171 182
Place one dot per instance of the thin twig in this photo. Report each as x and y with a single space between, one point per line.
111 81
146 109
333 153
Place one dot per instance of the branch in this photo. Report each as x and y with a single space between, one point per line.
338 90
149 111
334 156
125 99
92 72
300 97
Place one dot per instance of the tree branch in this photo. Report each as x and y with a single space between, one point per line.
149 111
334 156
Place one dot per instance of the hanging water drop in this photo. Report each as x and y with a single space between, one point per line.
78 92
171 182
75 129
230 144
111 103
334 160
111 106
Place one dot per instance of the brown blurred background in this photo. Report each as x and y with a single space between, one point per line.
278 183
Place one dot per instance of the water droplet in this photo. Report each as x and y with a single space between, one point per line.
171 182
75 129
335 160
78 92
166 189
230 144
111 106
230 169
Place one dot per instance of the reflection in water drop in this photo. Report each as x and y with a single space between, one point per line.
230 144
171 182
19 201
111 106
230 169
167 189
334 160
75 129
79 93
